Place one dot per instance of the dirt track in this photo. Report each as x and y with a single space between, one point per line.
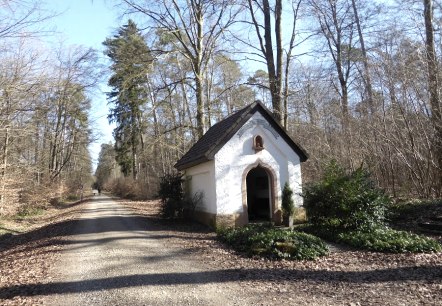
117 257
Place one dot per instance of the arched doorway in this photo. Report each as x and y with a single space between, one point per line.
258 195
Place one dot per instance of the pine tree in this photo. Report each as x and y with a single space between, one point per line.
131 60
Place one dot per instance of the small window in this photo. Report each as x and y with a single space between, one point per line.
258 143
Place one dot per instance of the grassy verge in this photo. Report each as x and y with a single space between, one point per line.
29 216
10 227
270 242
29 212
3 229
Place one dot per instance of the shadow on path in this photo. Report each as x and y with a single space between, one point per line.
428 274
116 219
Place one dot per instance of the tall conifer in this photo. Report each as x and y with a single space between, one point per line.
131 60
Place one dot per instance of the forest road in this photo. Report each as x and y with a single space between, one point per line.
117 257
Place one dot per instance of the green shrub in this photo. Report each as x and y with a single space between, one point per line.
288 207
172 196
389 240
345 201
267 241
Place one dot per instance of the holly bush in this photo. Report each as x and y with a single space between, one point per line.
345 200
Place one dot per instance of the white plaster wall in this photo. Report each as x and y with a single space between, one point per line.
238 153
202 179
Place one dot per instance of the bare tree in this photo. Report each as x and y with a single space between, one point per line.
433 87
23 18
271 46
197 27
336 24
366 73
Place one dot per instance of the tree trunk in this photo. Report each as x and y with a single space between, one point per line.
134 136
274 78
433 87
199 77
367 78
278 80
4 169
287 65
200 122
4 163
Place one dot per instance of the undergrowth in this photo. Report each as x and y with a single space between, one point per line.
389 240
270 242
381 239
414 210
29 212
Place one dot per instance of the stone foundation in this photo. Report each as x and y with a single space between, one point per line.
299 216
232 220
214 221
206 218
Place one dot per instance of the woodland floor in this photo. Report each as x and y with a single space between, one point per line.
28 263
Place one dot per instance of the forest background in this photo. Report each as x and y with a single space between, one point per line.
353 81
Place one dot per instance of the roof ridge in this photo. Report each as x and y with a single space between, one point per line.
217 135
232 127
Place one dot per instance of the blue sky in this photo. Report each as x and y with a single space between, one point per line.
88 23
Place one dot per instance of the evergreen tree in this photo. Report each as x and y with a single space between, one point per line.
131 59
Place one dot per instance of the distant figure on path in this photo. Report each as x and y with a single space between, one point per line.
99 190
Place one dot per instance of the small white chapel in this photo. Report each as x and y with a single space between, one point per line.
239 168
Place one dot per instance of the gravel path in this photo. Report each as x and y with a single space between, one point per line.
103 252
115 257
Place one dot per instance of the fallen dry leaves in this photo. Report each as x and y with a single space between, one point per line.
26 259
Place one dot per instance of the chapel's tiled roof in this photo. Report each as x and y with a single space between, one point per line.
218 135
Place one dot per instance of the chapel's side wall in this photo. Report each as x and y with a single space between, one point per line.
238 154
201 178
